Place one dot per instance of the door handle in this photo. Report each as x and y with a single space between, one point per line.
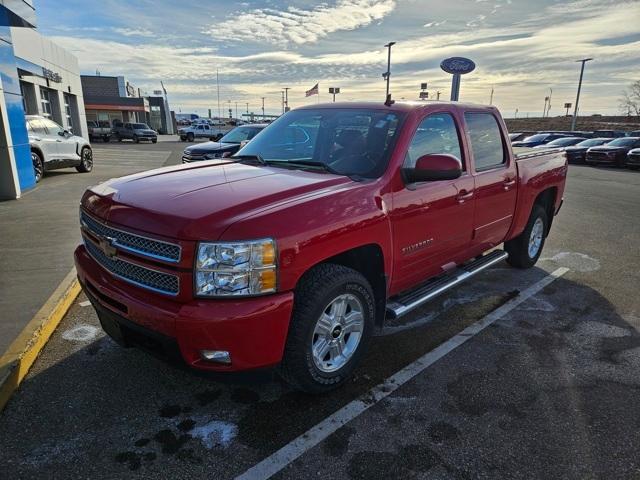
463 196
508 184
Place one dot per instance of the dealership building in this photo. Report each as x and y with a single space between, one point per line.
37 77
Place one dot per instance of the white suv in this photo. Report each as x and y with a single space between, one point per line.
54 147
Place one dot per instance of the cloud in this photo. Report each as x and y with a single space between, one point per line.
134 32
434 24
300 26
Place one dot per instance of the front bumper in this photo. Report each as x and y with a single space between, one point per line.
252 330
633 160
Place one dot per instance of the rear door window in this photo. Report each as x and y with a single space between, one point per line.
486 140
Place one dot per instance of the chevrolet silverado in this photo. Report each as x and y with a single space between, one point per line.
334 219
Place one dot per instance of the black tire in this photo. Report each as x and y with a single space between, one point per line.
518 248
38 165
86 161
183 139
106 139
155 140
315 292
136 139
119 138
190 137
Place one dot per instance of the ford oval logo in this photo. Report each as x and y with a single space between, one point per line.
457 65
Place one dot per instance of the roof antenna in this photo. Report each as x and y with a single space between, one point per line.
388 102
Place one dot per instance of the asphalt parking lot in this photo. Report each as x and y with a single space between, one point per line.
549 390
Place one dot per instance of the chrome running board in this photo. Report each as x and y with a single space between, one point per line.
406 302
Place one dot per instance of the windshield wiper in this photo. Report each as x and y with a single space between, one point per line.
308 163
257 157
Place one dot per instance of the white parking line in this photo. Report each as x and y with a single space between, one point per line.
290 452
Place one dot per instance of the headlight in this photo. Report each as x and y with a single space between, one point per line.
243 268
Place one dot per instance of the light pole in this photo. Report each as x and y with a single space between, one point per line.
575 112
236 110
247 107
386 75
286 98
334 91
282 100
263 108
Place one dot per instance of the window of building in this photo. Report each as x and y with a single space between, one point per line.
486 140
68 111
436 134
45 101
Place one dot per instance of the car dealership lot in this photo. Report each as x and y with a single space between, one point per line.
549 390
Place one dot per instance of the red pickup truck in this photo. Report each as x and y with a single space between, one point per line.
331 220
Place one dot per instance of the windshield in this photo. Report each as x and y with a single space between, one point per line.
622 142
592 142
240 134
140 126
536 138
346 141
563 142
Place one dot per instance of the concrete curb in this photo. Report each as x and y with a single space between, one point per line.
22 353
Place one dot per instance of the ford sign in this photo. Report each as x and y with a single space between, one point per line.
457 65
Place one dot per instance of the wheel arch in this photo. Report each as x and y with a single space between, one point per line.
368 260
547 200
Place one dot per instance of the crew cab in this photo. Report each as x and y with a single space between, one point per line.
135 132
99 129
331 221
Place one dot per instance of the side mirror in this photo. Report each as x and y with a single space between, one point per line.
434 167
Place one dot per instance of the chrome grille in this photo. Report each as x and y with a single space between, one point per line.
151 279
156 249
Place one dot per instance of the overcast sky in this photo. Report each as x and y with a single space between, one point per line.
521 48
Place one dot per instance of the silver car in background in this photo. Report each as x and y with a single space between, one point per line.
54 147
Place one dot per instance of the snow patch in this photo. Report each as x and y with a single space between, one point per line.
579 262
81 333
215 433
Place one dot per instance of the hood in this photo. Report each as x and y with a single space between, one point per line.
575 149
199 201
210 147
144 130
526 144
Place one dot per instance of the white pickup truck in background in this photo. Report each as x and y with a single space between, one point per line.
203 130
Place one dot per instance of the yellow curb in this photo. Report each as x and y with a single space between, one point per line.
22 353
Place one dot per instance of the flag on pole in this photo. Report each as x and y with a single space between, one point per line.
314 91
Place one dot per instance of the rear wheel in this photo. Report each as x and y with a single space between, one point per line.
331 326
86 160
106 139
136 139
525 249
38 165
190 137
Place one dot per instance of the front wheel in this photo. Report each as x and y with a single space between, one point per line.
525 249
86 161
106 139
190 137
38 166
331 326
136 139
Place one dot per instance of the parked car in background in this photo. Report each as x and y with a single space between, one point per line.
295 251
634 133
538 139
135 132
225 147
633 159
53 147
609 133
516 137
561 142
203 130
578 152
613 153
99 129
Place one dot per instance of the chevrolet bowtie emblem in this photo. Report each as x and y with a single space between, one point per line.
106 245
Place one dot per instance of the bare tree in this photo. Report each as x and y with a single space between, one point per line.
630 100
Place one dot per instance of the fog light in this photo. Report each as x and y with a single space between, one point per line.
217 356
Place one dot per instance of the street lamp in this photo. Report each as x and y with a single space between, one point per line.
575 112
263 107
286 98
334 91
386 75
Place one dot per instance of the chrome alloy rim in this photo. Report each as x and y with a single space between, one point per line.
337 333
535 239
37 166
87 158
